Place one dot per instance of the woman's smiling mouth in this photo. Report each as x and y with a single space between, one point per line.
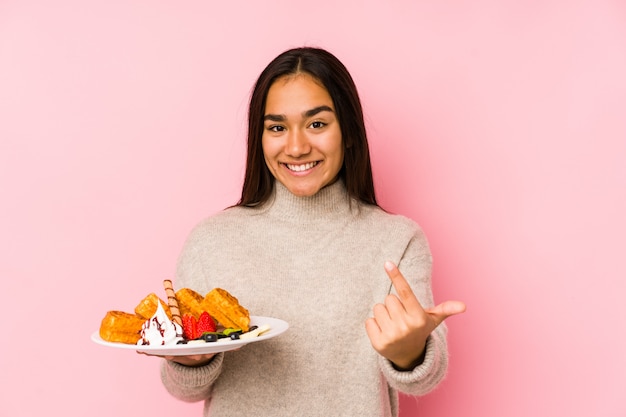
301 167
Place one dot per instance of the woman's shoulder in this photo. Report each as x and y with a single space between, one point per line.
385 219
228 218
391 230
225 215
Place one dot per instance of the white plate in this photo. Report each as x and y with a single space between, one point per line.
277 327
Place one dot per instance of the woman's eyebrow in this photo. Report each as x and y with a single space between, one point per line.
275 117
305 114
317 110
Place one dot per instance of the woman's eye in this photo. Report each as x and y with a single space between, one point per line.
317 125
276 128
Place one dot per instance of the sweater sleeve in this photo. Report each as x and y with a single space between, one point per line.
191 384
416 266
425 377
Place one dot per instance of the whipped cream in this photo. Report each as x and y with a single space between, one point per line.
160 330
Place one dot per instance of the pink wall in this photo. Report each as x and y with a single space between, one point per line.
500 126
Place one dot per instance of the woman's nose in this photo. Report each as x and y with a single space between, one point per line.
297 143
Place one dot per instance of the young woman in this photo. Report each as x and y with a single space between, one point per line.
307 243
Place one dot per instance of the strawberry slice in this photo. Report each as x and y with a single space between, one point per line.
190 327
206 324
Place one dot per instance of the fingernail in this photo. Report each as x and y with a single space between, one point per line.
389 266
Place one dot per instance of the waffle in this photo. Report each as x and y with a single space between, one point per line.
121 327
147 307
225 308
189 302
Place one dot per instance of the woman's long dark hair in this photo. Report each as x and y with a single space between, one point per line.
356 171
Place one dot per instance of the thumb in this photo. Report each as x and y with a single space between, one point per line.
446 309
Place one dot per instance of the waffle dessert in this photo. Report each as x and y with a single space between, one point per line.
121 327
225 308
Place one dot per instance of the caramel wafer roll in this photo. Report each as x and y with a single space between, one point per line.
172 302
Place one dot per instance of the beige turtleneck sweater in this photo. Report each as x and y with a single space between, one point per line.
317 263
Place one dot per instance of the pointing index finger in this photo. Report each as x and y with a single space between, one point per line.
405 293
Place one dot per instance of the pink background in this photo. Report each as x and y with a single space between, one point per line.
500 126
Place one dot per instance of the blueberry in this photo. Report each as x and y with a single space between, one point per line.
209 337
234 335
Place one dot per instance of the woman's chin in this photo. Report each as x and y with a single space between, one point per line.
303 192
301 188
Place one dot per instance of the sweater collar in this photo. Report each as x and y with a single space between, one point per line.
330 202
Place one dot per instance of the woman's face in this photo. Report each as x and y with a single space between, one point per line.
301 135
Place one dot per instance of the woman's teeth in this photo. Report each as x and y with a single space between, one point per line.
301 167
